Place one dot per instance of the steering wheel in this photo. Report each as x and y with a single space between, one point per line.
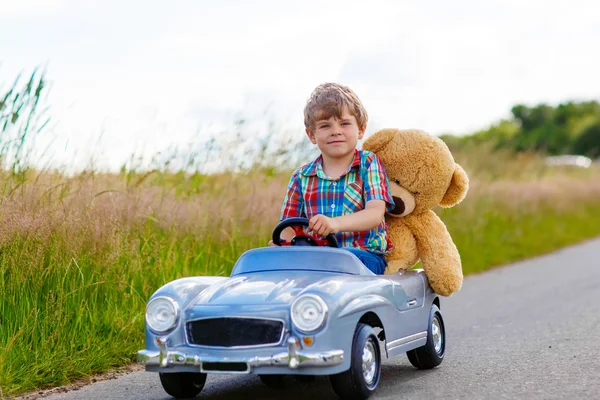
301 238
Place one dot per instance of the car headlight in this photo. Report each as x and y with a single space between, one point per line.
162 314
308 312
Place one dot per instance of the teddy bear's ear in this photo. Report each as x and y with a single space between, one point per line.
378 140
459 185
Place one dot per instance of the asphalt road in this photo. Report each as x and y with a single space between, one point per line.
530 330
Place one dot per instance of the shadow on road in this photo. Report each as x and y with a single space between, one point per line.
250 386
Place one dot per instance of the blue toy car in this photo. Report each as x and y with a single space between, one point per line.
305 308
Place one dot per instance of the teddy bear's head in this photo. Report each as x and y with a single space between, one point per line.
420 168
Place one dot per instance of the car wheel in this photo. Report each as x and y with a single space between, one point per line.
183 384
361 380
273 381
432 354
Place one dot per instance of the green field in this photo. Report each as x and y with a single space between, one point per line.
80 256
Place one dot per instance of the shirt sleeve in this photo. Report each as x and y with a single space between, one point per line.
376 184
293 204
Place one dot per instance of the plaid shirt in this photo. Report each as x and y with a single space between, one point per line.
311 192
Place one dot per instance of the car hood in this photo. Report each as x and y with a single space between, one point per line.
267 288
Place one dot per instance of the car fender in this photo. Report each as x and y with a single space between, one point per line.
363 304
184 290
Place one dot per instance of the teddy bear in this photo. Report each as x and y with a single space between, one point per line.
422 175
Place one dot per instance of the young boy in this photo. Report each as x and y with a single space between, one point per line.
344 191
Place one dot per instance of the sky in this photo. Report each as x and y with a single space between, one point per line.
139 77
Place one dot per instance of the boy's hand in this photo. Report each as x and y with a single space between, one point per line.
322 225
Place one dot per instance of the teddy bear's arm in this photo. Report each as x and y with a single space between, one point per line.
438 253
405 253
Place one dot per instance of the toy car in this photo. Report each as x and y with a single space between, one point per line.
305 308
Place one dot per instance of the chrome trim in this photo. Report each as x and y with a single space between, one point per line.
369 363
411 302
278 343
407 339
177 314
323 305
164 351
292 358
437 335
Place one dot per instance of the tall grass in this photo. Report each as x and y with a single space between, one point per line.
77 263
22 117
80 256
504 221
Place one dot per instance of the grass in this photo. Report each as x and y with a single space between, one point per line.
80 256
493 233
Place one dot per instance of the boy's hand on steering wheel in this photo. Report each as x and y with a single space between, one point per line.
293 232
322 225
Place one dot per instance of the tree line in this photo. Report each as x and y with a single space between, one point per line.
569 128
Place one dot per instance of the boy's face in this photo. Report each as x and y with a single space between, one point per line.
336 138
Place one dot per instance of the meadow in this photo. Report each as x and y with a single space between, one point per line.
80 255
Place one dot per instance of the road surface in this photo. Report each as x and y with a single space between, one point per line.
530 330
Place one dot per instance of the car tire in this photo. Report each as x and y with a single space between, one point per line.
183 384
432 353
273 381
361 380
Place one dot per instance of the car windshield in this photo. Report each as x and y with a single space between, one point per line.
299 258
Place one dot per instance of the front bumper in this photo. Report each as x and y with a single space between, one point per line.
294 358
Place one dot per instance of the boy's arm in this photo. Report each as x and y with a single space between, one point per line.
293 206
363 220
378 199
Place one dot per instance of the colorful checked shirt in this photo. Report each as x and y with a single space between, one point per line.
311 192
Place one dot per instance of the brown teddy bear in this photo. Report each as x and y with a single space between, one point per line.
422 175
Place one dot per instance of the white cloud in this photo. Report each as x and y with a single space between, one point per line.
11 8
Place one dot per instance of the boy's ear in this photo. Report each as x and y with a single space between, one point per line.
311 136
361 132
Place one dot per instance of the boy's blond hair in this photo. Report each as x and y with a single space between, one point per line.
329 100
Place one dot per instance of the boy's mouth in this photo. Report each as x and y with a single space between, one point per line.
336 141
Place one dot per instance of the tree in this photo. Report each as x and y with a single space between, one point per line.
588 143
532 118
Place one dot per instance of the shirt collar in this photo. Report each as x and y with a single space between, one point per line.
314 166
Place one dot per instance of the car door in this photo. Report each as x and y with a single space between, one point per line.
409 295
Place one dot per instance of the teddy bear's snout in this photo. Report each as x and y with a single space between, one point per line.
403 199
400 206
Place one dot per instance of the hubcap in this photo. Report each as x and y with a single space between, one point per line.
197 381
369 362
436 333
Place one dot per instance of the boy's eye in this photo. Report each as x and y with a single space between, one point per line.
323 126
345 123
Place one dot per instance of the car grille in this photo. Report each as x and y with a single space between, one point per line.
234 332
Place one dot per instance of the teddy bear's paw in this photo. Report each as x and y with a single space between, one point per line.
389 270
446 287
395 266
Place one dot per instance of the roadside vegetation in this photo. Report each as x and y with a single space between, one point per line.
80 255
568 128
